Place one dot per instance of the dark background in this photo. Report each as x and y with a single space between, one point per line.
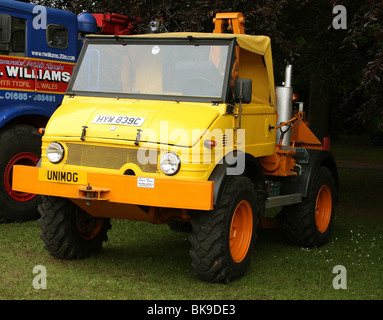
337 72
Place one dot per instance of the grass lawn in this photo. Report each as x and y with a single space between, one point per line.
143 261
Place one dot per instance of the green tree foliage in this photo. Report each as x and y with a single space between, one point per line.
337 72
364 42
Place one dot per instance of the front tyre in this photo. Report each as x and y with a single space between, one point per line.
222 240
68 231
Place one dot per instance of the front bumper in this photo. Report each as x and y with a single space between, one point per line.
118 189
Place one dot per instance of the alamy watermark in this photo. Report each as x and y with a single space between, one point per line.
340 20
40 281
216 147
340 280
40 20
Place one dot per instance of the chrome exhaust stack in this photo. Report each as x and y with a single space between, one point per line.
284 96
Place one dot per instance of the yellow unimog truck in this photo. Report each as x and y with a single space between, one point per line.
185 129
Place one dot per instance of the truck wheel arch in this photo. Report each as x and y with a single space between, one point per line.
253 170
302 183
24 115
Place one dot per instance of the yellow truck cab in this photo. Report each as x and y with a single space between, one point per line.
176 128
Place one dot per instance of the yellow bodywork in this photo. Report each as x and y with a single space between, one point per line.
99 165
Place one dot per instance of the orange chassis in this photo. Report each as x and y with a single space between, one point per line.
122 196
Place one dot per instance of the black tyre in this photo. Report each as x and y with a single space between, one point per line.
309 223
19 144
68 231
222 240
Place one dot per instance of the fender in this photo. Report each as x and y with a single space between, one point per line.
15 111
302 183
220 178
252 170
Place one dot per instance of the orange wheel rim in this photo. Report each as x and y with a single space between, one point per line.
88 226
241 230
323 208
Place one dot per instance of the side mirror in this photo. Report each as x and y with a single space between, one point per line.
243 90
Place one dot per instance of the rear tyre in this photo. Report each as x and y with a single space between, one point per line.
309 223
19 144
68 231
222 240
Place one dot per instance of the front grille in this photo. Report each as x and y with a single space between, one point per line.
105 157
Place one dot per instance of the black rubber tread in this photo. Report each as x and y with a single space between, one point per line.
209 239
15 139
299 219
59 232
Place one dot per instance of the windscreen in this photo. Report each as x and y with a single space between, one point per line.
186 70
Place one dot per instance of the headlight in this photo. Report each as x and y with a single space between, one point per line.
55 152
170 163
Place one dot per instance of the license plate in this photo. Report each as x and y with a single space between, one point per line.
71 177
121 120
